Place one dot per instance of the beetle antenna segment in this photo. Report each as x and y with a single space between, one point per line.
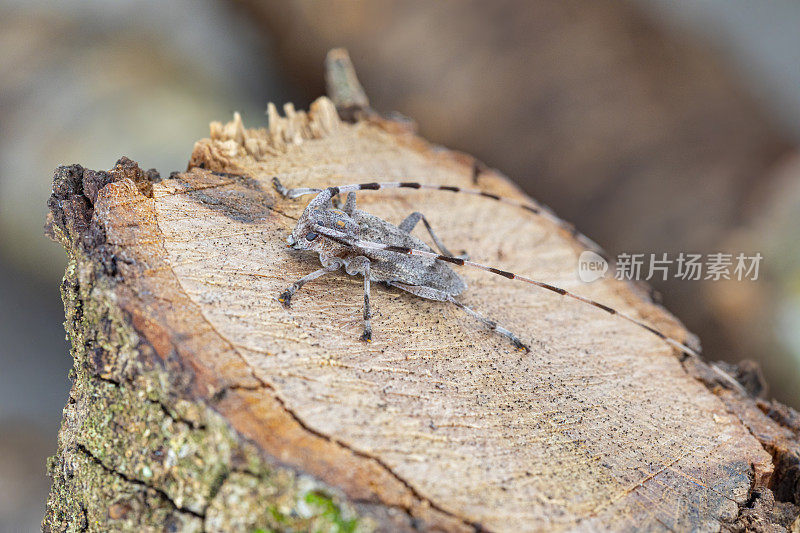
346 240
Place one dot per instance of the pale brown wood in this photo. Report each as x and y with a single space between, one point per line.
640 135
438 423
599 425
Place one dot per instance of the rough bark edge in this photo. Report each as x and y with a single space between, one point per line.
159 365
135 451
774 500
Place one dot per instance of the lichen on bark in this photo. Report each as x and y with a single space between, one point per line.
135 452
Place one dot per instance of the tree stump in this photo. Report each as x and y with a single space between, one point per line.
200 403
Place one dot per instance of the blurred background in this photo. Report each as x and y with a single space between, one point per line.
653 125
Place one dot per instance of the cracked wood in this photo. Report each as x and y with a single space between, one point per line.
599 425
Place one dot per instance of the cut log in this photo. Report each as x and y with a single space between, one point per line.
200 403
624 125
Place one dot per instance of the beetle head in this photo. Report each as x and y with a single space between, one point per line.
304 237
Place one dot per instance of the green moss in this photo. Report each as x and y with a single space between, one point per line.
135 454
331 512
88 497
277 516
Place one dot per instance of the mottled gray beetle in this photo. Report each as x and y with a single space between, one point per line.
378 251
424 276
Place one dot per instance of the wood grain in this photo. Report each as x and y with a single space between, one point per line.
600 427
599 423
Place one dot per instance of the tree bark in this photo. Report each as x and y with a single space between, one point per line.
200 403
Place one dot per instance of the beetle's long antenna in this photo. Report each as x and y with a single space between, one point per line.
343 238
540 210
346 240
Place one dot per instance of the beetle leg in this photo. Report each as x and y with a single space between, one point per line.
361 265
411 221
286 296
518 344
435 294
367 335
350 204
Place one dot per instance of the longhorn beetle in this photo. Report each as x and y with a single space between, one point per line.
379 251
